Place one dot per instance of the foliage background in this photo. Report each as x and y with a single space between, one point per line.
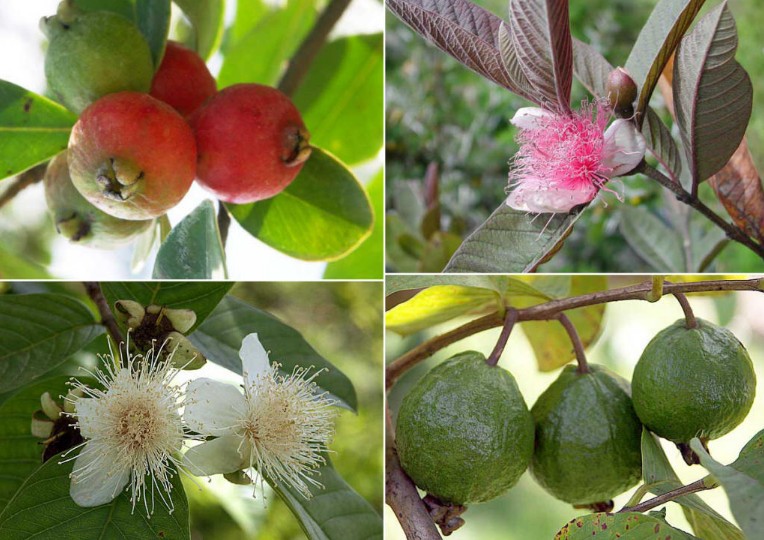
527 512
439 111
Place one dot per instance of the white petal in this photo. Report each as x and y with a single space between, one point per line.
94 479
530 117
218 456
212 407
624 147
87 410
533 197
254 359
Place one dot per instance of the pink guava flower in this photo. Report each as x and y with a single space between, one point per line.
565 159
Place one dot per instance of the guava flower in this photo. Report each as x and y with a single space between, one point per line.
279 426
132 429
564 160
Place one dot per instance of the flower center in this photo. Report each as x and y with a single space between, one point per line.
137 426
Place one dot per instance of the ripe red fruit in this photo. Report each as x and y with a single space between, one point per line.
251 141
132 156
182 80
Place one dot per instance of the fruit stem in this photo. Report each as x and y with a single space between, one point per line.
509 322
107 317
698 485
688 314
578 347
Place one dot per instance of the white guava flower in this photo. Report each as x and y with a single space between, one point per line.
132 428
279 426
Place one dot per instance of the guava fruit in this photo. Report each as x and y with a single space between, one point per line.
588 437
132 156
182 80
464 433
252 142
693 382
94 54
78 220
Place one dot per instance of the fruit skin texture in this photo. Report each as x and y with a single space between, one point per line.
252 142
464 433
132 156
182 80
695 382
588 437
77 219
96 54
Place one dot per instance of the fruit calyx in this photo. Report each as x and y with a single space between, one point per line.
445 515
73 227
688 454
297 147
119 180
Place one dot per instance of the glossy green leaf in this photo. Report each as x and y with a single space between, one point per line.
336 511
511 241
660 476
656 43
248 14
42 508
193 249
206 16
20 451
653 240
200 297
38 332
322 215
367 260
341 98
220 337
260 56
33 129
743 481
713 94
627 525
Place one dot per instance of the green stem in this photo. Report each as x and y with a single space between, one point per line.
578 346
688 314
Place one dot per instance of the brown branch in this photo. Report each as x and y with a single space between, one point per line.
509 324
578 347
107 317
550 310
688 314
306 53
698 485
402 496
21 182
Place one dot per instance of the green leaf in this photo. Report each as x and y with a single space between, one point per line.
220 337
657 244
395 283
38 332
200 297
628 525
713 94
511 241
656 43
20 451
334 512
33 129
259 57
367 260
662 144
661 478
194 249
13 266
42 508
340 98
206 16
322 215
743 481
248 14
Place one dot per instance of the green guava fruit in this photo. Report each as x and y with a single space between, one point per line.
588 437
132 156
78 220
464 433
693 382
94 54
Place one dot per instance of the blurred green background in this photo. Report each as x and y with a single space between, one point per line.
527 512
440 112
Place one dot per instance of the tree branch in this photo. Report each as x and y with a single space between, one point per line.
21 182
107 317
698 485
578 347
509 323
303 58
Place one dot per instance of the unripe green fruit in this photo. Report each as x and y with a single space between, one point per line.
588 437
693 382
95 54
78 220
464 433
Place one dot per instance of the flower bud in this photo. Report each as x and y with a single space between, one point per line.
621 92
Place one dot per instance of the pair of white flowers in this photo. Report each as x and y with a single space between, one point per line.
134 429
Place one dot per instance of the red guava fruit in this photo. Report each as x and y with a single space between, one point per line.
182 80
251 141
78 220
132 156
